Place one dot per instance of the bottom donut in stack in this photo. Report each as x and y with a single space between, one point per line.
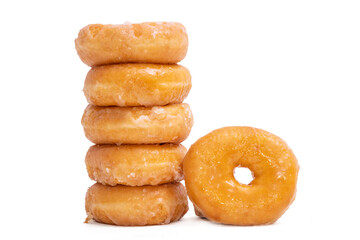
136 206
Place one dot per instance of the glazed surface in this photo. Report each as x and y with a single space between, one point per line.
137 85
137 125
136 206
135 165
149 42
209 176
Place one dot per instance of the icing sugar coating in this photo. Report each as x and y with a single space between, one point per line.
209 165
137 125
148 42
135 165
137 85
136 206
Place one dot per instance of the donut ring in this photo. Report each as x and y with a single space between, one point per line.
137 85
135 165
136 206
215 193
137 125
149 42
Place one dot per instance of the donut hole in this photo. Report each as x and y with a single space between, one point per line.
243 175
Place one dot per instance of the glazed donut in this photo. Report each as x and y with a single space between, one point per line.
149 42
136 206
137 125
137 85
209 165
135 165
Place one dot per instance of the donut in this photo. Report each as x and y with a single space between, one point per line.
135 165
136 206
137 125
209 176
137 85
148 42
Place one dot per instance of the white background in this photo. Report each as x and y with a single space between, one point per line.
289 67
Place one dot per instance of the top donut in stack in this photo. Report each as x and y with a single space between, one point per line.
160 42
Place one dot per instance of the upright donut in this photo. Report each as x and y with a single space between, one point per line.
137 125
126 85
149 42
209 165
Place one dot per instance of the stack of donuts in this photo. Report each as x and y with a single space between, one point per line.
137 121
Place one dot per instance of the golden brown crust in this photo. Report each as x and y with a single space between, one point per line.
137 85
209 164
137 125
136 206
149 42
135 165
